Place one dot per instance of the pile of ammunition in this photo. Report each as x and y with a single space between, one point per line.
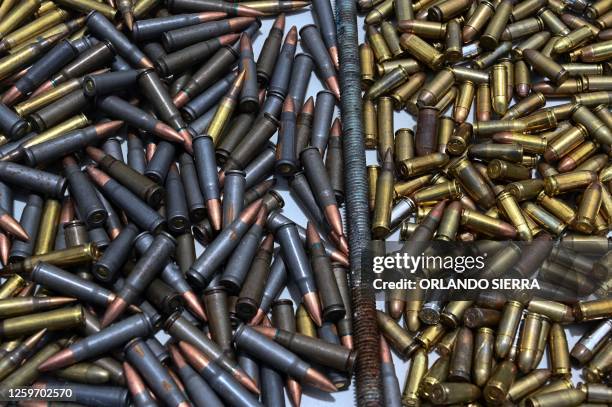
103 258
529 168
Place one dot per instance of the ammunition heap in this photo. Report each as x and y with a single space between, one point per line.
532 166
103 258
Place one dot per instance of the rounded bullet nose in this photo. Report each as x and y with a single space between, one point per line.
500 104
522 90
581 353
565 165
426 98
483 116
502 346
395 309
461 114
550 156
526 360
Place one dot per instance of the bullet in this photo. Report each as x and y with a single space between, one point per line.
205 101
261 131
147 267
595 127
472 182
504 170
483 102
384 198
59 319
237 267
461 357
314 43
508 325
185 331
327 354
215 301
138 390
202 270
591 310
12 360
522 28
138 211
490 38
316 175
251 293
90 208
199 391
499 86
140 356
418 368
286 161
30 221
432 91
28 372
545 66
215 66
389 379
496 389
331 301
421 50
103 29
181 37
284 360
286 233
116 255
271 47
109 82
427 129
591 342
32 179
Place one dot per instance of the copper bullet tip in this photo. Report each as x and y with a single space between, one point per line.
385 353
133 380
294 389
194 305
312 236
438 210
268 243
246 381
332 214
267 331
5 248
114 311
11 95
248 215
176 356
339 257
180 99
288 105
395 308
318 380
333 54
336 130
99 177
13 227
248 11
214 213
291 37
566 164
313 307
105 128
245 43
45 87
279 23
259 316
61 359
128 18
333 86
308 107
166 132
95 153
347 341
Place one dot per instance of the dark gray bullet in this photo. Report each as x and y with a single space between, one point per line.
304 126
116 255
84 195
140 356
286 161
249 298
137 211
96 55
334 161
262 130
177 213
209 98
275 283
200 393
312 41
112 145
41 182
279 81
207 264
163 297
158 166
324 16
11 124
183 37
322 120
153 28
255 343
219 325
59 110
249 94
109 82
300 78
193 194
30 221
62 282
299 185
233 195
103 29
269 51
206 167
99 343
261 166
135 153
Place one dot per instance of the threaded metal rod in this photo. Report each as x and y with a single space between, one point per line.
368 376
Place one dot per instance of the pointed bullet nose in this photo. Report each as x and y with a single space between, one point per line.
291 36
95 153
279 23
308 107
312 236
